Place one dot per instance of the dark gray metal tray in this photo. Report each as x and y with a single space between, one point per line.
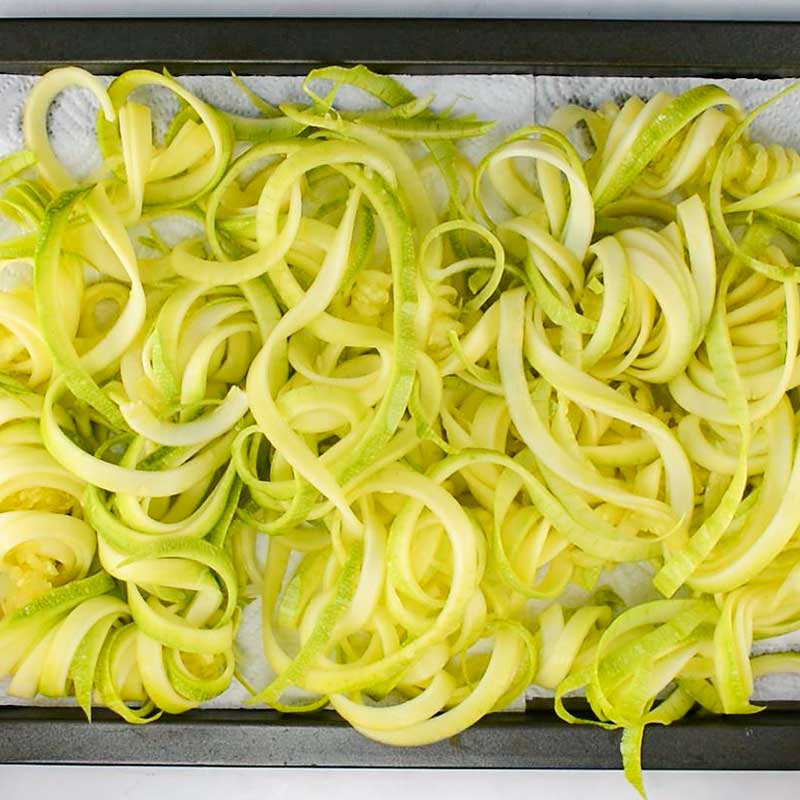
537 738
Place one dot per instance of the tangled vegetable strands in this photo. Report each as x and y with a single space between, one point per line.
447 397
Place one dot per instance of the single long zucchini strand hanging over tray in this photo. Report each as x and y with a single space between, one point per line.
450 398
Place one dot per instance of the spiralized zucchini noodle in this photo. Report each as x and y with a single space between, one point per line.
413 405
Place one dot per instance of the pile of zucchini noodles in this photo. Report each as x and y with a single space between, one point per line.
441 392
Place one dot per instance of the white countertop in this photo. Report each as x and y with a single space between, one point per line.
593 9
196 783
94 783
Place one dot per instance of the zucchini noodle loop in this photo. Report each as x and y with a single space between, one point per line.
422 410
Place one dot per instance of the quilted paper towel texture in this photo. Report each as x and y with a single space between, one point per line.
513 101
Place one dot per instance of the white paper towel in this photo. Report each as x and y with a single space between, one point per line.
509 99
513 101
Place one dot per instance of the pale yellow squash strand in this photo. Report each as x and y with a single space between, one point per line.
34 120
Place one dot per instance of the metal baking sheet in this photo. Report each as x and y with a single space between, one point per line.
536 738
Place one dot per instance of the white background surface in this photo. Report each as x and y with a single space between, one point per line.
93 783
597 9
196 783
